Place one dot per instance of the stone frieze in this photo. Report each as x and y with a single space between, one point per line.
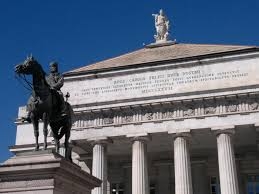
174 110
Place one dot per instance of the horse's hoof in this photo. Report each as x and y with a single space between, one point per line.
24 119
36 148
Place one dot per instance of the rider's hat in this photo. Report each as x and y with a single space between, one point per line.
53 64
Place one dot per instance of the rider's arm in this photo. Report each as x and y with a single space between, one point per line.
59 83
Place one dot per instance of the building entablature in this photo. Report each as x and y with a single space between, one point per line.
199 108
167 117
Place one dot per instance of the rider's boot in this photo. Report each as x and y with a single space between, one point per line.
63 112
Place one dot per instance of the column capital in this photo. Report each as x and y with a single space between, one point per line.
144 137
103 141
256 127
185 135
224 129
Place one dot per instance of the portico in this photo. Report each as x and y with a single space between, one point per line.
156 160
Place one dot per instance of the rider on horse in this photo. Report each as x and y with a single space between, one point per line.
55 80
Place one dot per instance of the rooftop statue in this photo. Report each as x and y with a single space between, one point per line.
47 102
162 27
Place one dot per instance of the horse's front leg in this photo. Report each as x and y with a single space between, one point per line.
57 144
45 129
67 149
56 138
35 124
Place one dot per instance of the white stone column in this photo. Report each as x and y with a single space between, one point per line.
99 165
140 182
226 159
182 167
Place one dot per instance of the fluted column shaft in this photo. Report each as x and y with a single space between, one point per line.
227 164
140 183
99 168
183 177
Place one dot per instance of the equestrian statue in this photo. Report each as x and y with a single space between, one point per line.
47 103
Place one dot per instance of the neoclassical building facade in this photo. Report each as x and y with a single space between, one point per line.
167 118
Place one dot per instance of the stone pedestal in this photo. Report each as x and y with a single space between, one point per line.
140 183
44 172
183 178
227 165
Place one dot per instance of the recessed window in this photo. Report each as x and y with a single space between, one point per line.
252 185
117 188
152 189
214 185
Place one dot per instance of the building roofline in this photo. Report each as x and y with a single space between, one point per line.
154 63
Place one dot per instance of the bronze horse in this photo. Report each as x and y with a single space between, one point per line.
44 105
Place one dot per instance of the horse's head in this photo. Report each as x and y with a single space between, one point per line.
29 66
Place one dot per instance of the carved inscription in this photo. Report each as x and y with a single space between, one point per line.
164 82
159 83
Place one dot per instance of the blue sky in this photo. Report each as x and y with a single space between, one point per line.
77 33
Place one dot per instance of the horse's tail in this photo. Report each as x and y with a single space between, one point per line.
70 111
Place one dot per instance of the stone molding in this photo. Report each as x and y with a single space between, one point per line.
173 110
30 184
